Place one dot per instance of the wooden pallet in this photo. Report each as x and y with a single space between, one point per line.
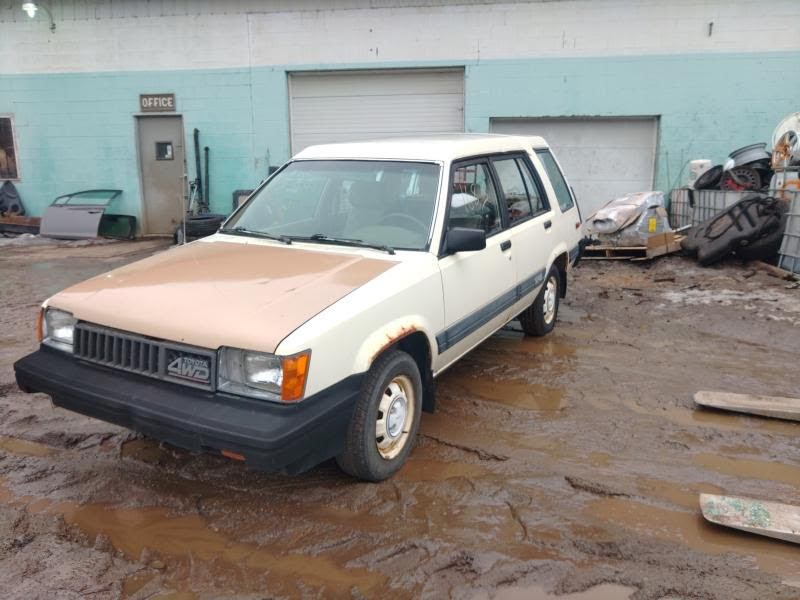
16 225
772 519
765 406
657 245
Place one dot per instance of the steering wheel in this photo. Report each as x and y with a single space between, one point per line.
423 228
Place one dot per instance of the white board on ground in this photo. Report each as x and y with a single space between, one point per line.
771 519
767 406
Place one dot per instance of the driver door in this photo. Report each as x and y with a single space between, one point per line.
478 286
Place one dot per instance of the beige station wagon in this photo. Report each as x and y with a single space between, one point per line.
314 323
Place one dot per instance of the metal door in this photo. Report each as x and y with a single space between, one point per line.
347 106
161 163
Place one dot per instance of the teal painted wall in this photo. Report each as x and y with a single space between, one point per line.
708 104
77 131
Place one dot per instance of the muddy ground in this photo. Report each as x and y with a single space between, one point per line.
553 466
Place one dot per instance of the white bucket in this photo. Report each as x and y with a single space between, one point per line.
697 168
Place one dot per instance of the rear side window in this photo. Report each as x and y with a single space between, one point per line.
514 189
563 194
539 202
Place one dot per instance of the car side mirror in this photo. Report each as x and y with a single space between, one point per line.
464 239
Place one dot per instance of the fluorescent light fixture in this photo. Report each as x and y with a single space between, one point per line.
30 8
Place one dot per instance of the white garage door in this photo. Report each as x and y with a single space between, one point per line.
347 106
602 158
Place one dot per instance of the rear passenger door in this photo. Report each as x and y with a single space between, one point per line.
478 286
530 220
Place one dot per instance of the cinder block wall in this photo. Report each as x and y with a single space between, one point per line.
719 74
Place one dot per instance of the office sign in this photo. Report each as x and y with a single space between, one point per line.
157 102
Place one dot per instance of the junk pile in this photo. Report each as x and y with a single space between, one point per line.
746 169
198 221
752 229
748 207
635 226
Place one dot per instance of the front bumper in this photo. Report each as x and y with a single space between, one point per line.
289 438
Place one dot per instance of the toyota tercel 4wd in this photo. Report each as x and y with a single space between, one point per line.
313 324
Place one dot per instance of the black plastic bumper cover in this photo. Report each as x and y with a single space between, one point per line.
287 438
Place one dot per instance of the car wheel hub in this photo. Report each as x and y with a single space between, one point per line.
395 416
549 304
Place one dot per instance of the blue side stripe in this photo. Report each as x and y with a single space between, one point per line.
461 329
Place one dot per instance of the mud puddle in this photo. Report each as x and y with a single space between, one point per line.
605 591
511 392
23 447
749 469
717 419
691 530
182 541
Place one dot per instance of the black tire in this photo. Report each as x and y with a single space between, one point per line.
203 225
533 318
710 179
361 457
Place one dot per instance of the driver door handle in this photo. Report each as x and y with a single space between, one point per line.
548 224
505 245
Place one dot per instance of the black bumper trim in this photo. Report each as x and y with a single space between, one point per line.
288 438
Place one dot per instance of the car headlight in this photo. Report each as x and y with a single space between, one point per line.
58 329
262 375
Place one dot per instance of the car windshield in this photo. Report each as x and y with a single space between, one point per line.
359 202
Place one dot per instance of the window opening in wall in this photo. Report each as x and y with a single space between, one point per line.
8 158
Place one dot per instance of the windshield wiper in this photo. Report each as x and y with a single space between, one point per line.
252 233
321 237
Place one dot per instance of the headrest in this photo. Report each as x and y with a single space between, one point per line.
364 193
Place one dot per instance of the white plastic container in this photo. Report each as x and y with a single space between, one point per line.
697 168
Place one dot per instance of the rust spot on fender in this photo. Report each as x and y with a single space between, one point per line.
392 338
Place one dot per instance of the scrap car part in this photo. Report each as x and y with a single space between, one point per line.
77 215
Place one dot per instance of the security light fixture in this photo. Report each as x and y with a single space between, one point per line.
31 9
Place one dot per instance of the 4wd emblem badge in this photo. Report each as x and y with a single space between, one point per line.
191 368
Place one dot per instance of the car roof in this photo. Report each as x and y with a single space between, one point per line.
441 147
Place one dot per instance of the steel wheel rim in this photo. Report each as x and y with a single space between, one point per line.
550 299
395 417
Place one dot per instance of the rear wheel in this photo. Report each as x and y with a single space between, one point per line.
540 317
386 419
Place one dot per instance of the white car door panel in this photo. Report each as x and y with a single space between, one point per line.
531 225
480 286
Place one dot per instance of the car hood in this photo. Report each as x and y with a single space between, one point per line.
217 293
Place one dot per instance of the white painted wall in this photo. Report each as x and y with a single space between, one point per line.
195 34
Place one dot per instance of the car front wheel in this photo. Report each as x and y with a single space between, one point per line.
385 420
540 317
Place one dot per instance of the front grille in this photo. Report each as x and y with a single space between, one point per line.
182 364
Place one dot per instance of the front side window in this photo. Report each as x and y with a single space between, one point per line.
563 194
383 203
8 157
473 203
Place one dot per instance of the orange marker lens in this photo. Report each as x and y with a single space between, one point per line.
231 454
295 369
39 326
